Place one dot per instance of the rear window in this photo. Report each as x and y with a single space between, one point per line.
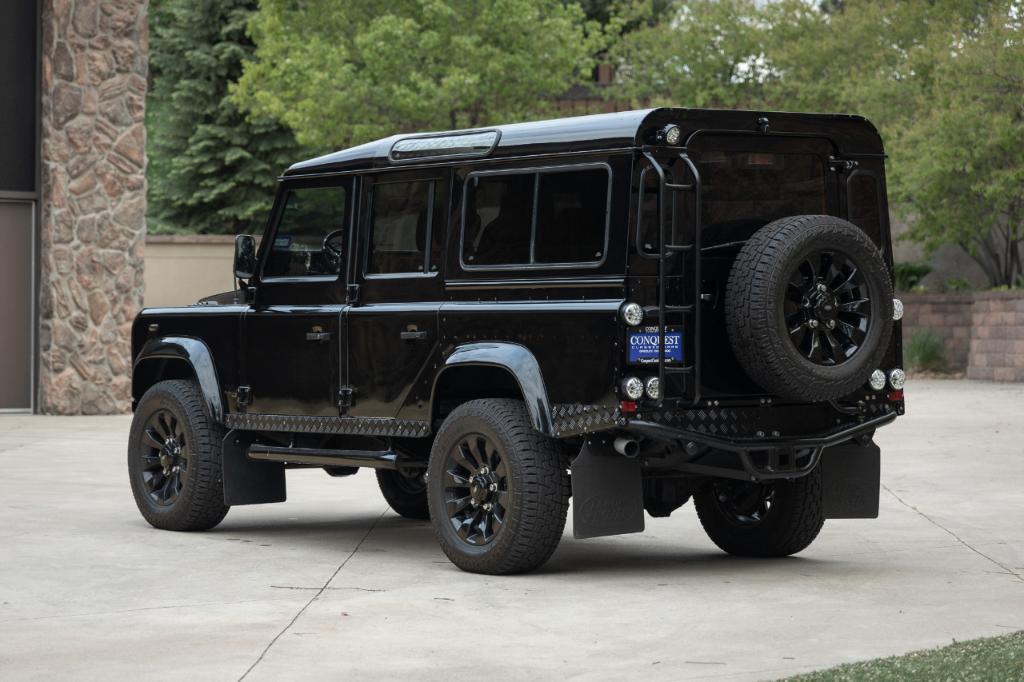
538 218
744 190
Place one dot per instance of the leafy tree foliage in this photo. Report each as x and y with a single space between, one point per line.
942 79
343 73
211 169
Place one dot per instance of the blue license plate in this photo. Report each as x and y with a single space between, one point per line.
643 345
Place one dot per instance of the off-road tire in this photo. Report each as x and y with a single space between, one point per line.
791 524
200 504
406 496
754 307
539 488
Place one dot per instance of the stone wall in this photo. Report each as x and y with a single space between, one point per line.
93 202
983 332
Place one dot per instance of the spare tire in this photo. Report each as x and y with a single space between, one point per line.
809 307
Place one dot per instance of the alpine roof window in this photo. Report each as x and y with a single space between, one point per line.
536 218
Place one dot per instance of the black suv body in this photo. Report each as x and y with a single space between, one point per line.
477 316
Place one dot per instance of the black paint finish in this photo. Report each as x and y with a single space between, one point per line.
387 355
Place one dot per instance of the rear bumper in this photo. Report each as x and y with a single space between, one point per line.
761 458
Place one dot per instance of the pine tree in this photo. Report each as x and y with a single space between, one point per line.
212 169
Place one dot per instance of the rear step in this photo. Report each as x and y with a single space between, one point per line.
375 459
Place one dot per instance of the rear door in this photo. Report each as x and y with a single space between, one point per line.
392 327
292 331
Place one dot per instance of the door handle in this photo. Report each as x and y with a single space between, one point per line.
413 336
318 336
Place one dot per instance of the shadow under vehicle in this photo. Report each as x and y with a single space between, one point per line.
630 309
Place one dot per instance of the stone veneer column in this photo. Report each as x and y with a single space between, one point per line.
93 201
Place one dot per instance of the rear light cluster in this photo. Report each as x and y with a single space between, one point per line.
896 379
634 388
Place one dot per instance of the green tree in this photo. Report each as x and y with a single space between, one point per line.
211 169
944 82
699 53
343 73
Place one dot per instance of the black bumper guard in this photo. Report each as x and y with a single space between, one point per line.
761 459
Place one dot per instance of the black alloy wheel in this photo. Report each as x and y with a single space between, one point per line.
762 518
174 458
827 308
809 308
164 458
497 489
743 503
476 489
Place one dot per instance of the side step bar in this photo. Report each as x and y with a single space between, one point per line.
375 459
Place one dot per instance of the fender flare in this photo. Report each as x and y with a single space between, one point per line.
520 363
197 354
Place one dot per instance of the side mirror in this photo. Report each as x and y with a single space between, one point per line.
245 256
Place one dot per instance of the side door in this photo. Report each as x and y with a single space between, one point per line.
293 329
392 326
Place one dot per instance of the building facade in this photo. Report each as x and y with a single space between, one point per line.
72 201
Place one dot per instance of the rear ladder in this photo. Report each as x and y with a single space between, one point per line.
680 310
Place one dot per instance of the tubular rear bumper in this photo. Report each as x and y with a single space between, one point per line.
752 459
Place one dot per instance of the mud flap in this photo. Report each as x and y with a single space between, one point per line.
607 493
248 481
850 480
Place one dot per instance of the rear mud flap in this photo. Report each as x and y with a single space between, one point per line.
850 480
607 493
248 481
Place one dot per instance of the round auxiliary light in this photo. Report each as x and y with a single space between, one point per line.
877 380
632 388
632 314
672 134
897 309
897 378
653 388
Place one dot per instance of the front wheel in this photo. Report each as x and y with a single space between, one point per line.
771 519
498 491
174 459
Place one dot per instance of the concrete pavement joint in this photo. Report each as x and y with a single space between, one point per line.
316 596
1006 569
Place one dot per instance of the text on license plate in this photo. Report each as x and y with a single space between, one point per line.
643 345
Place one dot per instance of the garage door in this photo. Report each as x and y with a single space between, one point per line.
16 304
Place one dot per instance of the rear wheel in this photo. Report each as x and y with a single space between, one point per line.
770 519
174 459
405 491
498 491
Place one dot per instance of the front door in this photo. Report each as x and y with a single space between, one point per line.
292 331
392 329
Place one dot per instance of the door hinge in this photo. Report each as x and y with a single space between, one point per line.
841 165
243 394
346 397
352 293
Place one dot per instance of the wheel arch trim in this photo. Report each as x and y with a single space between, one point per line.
197 355
518 361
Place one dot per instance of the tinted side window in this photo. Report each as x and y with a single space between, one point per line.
499 219
572 211
309 215
536 218
400 227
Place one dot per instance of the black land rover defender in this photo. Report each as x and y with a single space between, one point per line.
632 309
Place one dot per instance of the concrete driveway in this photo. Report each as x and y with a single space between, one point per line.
332 583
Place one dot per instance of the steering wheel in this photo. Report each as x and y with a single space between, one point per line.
332 252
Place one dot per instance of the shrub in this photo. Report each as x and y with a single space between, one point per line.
924 353
956 284
909 275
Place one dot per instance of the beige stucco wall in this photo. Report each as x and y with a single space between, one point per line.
182 269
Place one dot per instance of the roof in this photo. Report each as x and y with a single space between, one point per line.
853 135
